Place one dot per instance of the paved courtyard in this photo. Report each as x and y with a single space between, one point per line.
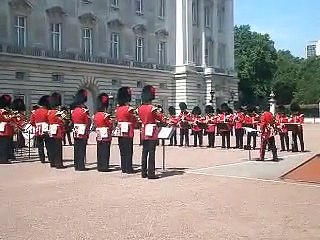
203 194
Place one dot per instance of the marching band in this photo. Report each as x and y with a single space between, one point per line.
49 118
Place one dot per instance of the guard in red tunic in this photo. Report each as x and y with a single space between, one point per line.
298 118
173 122
225 117
81 122
104 127
184 124
196 130
126 120
239 119
6 128
39 119
281 120
56 131
251 120
268 129
149 115
211 121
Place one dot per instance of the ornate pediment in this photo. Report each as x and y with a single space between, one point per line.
20 4
87 19
139 29
162 33
55 11
115 23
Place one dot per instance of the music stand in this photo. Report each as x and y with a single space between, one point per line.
165 133
247 125
292 127
223 127
249 130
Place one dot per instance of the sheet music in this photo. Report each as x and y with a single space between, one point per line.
102 133
165 132
80 129
149 130
2 126
124 126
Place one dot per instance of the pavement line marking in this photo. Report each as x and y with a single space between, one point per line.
256 179
237 163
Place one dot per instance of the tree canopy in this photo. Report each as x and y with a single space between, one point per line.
261 68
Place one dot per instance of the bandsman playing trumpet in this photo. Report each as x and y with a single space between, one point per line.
211 120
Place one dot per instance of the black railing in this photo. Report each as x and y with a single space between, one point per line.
38 52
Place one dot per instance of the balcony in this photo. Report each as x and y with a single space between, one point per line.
37 52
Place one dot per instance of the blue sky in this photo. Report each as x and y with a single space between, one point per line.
290 23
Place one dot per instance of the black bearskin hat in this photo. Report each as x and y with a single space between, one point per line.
124 95
102 102
224 107
148 94
5 101
295 107
183 106
44 101
209 109
172 110
230 111
55 100
18 105
196 110
218 111
81 96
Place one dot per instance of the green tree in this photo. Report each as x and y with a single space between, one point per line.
308 84
286 77
255 61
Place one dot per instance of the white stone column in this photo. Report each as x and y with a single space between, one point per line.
229 33
180 40
203 33
189 31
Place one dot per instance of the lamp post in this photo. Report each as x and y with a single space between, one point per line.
212 93
272 103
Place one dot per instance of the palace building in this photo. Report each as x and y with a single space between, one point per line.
185 48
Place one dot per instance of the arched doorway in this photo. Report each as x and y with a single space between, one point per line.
89 83
91 102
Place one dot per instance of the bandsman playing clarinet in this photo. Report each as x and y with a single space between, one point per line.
184 124
196 130
239 119
173 122
281 120
56 131
149 115
297 118
126 120
211 121
39 119
81 122
225 118
6 128
251 120
104 127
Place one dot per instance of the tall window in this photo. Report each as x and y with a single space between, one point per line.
21 31
195 53
115 45
207 16
114 3
162 55
220 13
139 6
206 54
87 41
195 12
56 36
140 49
209 53
162 8
222 55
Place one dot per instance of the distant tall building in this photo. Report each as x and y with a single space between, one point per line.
313 49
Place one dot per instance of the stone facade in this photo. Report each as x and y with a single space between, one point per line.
182 47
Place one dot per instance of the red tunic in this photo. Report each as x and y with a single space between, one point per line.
39 119
126 120
195 120
184 118
212 122
81 120
56 125
104 126
267 125
281 120
173 121
6 129
149 116
239 119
